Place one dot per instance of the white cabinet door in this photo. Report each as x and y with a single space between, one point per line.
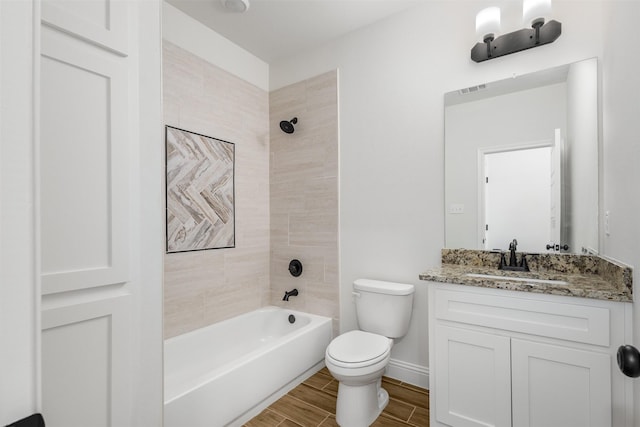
472 384
555 386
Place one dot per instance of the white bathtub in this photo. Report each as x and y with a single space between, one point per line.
225 373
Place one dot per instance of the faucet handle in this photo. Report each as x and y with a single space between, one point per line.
503 261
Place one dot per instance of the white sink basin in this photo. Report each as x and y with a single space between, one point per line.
518 279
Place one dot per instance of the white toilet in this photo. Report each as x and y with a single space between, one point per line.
357 359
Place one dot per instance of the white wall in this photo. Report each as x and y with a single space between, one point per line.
393 75
148 215
621 148
198 39
582 130
18 303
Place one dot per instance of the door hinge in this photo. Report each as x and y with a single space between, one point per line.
486 227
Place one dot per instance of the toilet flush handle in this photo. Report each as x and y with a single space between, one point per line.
355 294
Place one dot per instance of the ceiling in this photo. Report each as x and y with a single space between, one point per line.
533 80
276 29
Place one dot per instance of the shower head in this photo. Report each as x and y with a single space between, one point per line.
287 126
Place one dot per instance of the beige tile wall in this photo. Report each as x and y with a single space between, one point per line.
299 220
208 286
304 195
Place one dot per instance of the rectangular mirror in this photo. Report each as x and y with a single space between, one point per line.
521 162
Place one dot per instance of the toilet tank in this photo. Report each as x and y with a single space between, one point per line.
383 307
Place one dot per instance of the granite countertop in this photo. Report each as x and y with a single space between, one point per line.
587 276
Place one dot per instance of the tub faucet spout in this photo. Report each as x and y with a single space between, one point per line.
292 293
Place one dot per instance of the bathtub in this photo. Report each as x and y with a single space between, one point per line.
224 374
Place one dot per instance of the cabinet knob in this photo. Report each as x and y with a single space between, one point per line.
629 361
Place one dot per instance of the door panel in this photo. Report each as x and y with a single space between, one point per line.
86 350
101 22
465 360
559 386
83 165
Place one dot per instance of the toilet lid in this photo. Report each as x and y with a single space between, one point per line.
358 347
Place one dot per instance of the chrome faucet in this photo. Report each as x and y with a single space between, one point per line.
513 260
292 293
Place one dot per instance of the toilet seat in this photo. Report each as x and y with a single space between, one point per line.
358 349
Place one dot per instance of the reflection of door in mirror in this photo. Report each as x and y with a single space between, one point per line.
517 197
556 209
512 112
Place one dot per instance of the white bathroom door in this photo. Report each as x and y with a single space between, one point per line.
91 230
517 198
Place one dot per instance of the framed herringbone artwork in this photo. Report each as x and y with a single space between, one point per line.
200 191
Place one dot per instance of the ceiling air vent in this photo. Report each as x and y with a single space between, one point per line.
472 89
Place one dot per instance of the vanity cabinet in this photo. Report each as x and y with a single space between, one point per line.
505 358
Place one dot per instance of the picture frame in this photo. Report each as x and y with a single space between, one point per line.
200 191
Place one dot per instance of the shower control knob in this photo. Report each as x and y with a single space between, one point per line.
295 268
629 361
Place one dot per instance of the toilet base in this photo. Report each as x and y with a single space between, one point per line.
359 406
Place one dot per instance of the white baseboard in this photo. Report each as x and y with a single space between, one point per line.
408 373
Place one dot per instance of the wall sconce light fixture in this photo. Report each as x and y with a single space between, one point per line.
534 13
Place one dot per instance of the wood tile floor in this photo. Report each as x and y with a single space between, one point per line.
313 404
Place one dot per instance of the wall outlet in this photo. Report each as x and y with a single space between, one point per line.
607 219
456 208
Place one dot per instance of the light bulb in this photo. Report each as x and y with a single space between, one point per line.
534 12
488 23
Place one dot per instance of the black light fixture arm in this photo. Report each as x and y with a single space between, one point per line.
536 28
540 34
488 41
